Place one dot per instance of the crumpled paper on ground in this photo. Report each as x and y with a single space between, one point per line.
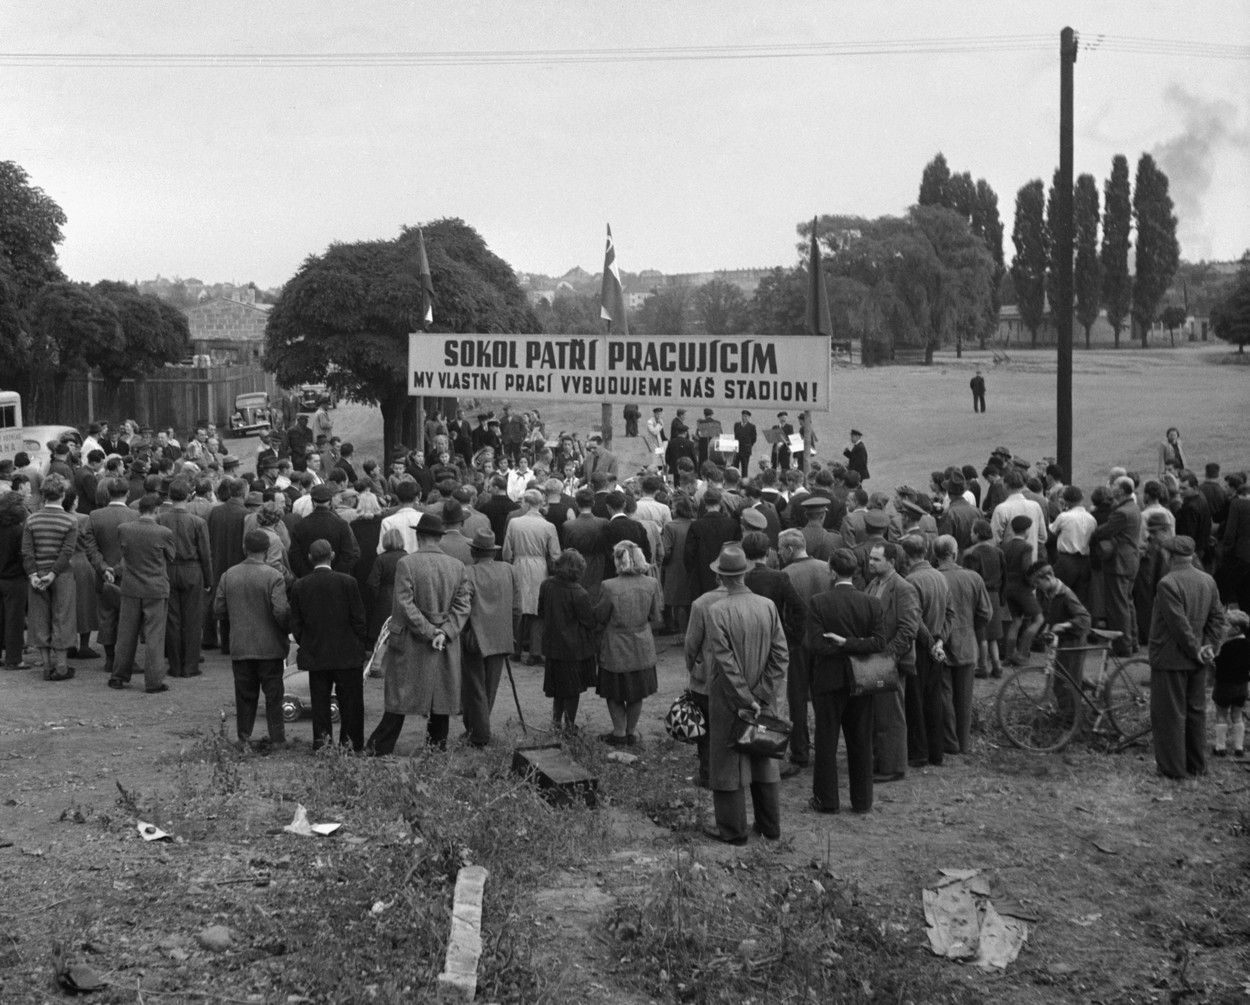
964 925
303 828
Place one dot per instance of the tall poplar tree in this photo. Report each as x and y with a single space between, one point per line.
1117 289
1028 267
935 183
1087 272
1158 253
1055 287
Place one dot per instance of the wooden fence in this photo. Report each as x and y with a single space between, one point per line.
177 396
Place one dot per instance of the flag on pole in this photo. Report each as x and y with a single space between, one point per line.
427 283
818 322
612 296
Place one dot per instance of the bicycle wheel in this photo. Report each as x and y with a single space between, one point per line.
1037 710
1127 697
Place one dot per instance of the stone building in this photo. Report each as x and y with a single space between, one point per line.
229 329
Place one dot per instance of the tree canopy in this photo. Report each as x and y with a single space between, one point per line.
721 308
30 230
1086 270
1117 288
1231 316
345 316
1028 267
1158 253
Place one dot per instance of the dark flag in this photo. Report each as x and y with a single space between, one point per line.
427 283
818 322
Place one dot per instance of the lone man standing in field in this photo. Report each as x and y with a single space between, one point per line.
977 383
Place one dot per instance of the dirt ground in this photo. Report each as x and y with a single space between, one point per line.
1139 886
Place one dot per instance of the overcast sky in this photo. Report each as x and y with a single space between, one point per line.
237 172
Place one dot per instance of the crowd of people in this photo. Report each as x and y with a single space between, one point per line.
490 540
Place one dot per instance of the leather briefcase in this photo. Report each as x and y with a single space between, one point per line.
873 673
764 736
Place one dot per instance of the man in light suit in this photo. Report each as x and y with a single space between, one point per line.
842 622
599 459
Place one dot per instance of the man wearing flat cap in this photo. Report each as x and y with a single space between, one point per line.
1187 626
323 523
821 543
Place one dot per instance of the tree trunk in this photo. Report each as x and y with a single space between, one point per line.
1087 328
1033 335
1116 332
928 354
393 407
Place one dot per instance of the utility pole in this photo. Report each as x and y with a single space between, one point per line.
1063 240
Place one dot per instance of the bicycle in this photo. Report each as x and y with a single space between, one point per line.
1038 708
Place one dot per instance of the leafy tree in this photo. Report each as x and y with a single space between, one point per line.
355 304
1231 316
1056 289
1172 318
961 194
934 183
989 226
721 307
570 314
1028 267
155 332
1087 272
73 329
30 230
1158 253
779 304
665 312
1117 287
956 279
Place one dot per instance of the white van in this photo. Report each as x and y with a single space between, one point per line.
11 439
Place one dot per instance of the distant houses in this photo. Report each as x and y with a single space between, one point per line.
229 329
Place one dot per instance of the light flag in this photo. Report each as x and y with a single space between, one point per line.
612 296
427 282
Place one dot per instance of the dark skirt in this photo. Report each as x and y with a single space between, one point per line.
568 678
1229 693
629 687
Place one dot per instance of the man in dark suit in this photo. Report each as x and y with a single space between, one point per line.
85 480
147 548
328 622
840 623
704 540
599 459
323 523
775 585
225 537
857 455
105 521
622 528
1119 568
587 534
745 434
679 446
190 572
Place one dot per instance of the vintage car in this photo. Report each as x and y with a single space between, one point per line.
313 396
251 414
296 700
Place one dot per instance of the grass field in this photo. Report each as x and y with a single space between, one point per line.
917 419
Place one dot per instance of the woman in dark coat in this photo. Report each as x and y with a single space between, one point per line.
569 642
82 565
629 605
676 580
366 528
381 583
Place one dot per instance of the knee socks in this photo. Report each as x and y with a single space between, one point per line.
1239 736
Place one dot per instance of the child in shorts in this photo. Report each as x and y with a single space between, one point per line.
1232 671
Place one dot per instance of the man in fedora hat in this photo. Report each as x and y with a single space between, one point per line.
749 661
433 598
487 640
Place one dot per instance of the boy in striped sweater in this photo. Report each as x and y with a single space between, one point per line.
48 542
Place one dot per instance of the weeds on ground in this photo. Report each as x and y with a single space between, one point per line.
764 932
363 915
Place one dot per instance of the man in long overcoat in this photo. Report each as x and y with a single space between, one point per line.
1119 568
900 603
748 674
422 664
970 614
488 640
531 544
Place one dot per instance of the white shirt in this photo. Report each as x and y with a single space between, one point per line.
1018 504
517 480
655 512
302 506
405 521
1072 529
90 444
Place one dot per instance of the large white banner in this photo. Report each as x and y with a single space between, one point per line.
726 371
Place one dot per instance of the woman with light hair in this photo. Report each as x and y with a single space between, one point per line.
381 582
630 604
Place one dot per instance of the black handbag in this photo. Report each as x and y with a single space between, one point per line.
875 672
764 736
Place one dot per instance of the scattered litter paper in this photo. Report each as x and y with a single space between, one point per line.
964 925
150 832
303 828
